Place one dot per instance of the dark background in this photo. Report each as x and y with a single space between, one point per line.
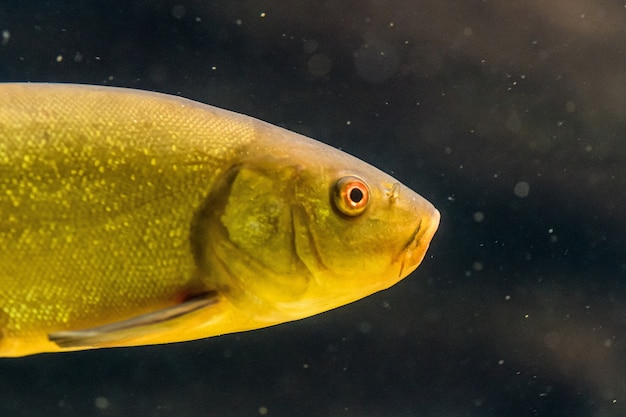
520 306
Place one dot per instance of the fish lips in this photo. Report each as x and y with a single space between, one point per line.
415 248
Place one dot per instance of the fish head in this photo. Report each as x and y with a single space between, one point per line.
299 228
369 232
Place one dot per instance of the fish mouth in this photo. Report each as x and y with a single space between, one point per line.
414 250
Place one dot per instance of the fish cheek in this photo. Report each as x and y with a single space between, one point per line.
257 218
243 238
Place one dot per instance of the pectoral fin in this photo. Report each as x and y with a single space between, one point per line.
134 328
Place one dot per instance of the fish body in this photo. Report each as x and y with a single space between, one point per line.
130 217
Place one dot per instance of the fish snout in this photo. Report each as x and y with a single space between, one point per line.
415 248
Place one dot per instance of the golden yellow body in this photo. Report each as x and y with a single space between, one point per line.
129 217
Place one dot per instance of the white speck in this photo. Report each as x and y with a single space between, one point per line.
6 35
238 22
59 58
262 14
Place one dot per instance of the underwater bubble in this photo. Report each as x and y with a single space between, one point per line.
178 11
309 46
365 327
319 65
101 403
521 189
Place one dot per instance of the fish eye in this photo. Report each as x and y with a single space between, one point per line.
351 195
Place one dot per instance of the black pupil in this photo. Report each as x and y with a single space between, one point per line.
356 195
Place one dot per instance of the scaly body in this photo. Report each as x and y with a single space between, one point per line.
178 221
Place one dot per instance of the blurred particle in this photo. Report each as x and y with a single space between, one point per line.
365 327
570 107
376 61
6 35
521 189
552 340
101 403
178 11
309 46
319 65
479 216
78 57
513 122
263 410
477 266
59 58
553 238
468 31
238 22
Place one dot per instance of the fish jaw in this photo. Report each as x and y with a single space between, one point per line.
415 249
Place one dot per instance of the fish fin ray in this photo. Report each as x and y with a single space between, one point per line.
113 333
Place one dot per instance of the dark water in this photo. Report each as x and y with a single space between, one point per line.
509 116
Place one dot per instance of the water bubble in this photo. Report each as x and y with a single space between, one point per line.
319 65
521 189
178 11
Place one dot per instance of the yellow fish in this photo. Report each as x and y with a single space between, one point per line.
130 218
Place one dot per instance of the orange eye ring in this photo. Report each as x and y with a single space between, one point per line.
351 195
